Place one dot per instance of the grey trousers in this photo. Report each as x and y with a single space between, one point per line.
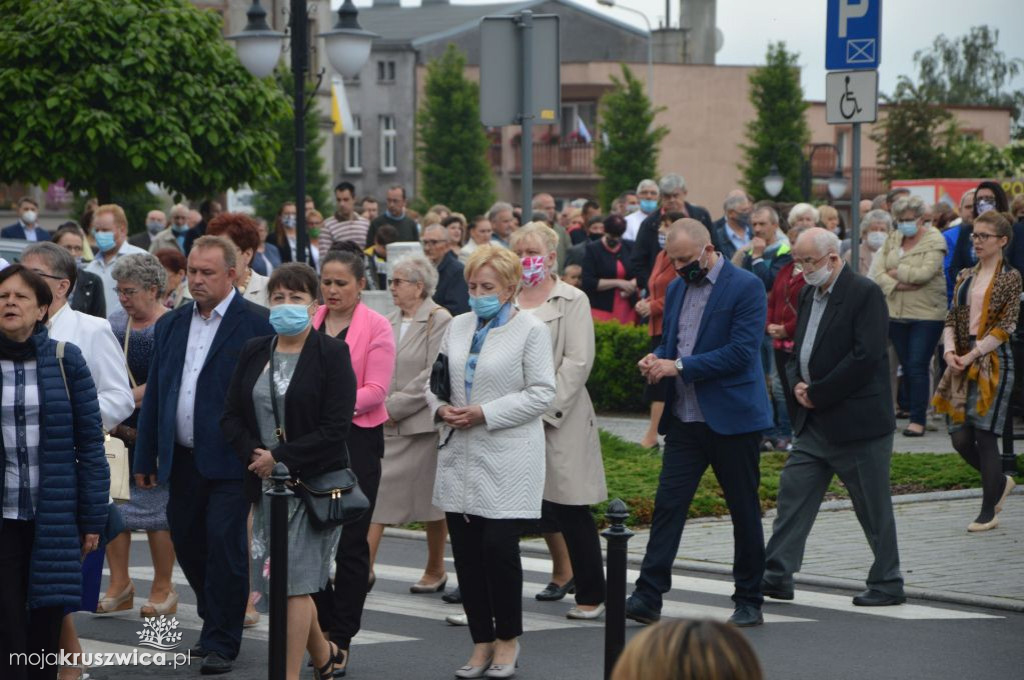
863 466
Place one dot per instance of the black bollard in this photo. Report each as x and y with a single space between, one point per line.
618 537
279 494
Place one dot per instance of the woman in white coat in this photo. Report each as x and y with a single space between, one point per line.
490 467
574 478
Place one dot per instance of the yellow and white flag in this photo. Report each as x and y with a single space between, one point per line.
341 113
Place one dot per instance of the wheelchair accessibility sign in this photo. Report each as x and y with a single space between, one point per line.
851 97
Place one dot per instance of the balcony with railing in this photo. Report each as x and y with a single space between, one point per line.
559 159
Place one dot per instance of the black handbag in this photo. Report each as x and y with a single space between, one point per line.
440 380
332 498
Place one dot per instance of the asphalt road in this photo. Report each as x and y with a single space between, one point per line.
818 636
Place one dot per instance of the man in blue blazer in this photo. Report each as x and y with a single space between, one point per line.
27 227
180 443
716 407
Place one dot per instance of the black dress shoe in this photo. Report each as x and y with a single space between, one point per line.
215 664
454 597
776 592
198 651
876 598
640 612
555 592
746 615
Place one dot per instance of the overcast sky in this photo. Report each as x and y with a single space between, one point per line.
907 26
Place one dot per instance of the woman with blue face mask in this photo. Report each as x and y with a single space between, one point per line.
286 237
908 268
291 401
491 464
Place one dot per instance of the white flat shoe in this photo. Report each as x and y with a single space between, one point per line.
457 620
585 615
1006 492
987 526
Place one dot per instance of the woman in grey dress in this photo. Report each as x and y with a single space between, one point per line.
410 438
140 280
309 376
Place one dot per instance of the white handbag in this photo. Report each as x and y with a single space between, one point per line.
114 449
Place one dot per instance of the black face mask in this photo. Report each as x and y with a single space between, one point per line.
596 237
692 273
611 241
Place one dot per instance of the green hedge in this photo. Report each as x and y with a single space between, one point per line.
615 383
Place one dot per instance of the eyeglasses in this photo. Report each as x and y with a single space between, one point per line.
432 242
40 272
800 265
125 292
395 282
981 236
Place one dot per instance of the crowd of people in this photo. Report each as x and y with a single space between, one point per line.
214 345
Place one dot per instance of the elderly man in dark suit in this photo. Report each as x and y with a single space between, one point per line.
715 409
180 443
452 292
844 420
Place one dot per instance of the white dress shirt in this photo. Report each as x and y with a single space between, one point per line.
201 333
104 357
103 269
633 222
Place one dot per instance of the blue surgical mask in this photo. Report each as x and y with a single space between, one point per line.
288 221
908 228
631 208
104 241
648 206
985 205
289 319
154 228
485 306
179 230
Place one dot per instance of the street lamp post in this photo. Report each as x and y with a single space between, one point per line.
650 43
259 49
774 181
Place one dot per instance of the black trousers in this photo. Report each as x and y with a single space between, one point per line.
689 449
340 605
208 519
580 532
486 553
23 631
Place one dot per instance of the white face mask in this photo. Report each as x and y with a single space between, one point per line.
876 239
29 216
818 277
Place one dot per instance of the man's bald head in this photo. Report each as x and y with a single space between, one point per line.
691 229
816 242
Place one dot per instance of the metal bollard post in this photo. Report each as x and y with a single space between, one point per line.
618 537
278 494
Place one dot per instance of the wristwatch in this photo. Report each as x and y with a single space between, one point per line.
679 366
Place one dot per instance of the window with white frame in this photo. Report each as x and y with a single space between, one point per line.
354 147
574 113
388 144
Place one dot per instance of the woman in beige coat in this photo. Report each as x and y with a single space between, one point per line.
574 478
909 270
410 437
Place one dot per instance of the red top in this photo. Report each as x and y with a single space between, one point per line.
783 302
661 276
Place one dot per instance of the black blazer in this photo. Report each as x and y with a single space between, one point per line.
451 292
849 365
646 250
285 249
318 408
88 296
599 264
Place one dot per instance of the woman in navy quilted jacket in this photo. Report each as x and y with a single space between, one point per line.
55 481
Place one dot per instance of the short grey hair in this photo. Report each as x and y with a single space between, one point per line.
734 199
143 269
773 216
905 203
876 217
803 209
671 183
60 261
499 207
419 270
692 228
437 225
647 184
824 241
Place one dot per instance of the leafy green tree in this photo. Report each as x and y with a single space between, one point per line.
779 132
627 139
110 95
274 188
452 146
970 70
914 136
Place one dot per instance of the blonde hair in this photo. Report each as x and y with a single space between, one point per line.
826 212
539 230
688 650
113 209
430 219
502 260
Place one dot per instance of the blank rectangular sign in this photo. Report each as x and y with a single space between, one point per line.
501 75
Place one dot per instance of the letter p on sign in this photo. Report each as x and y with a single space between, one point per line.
850 10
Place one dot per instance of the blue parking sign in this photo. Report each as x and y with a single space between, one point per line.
853 34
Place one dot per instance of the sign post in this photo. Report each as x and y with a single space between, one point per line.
520 79
853 45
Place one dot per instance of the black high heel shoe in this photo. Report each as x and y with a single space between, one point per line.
336 666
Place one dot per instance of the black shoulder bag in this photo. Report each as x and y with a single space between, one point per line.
440 381
332 498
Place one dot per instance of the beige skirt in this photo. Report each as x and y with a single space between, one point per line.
407 474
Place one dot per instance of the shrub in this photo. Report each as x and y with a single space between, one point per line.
615 383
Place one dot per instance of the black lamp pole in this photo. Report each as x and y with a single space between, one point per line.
300 64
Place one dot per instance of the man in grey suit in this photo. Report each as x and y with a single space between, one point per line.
844 420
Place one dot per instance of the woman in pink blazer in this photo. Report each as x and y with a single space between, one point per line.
371 345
